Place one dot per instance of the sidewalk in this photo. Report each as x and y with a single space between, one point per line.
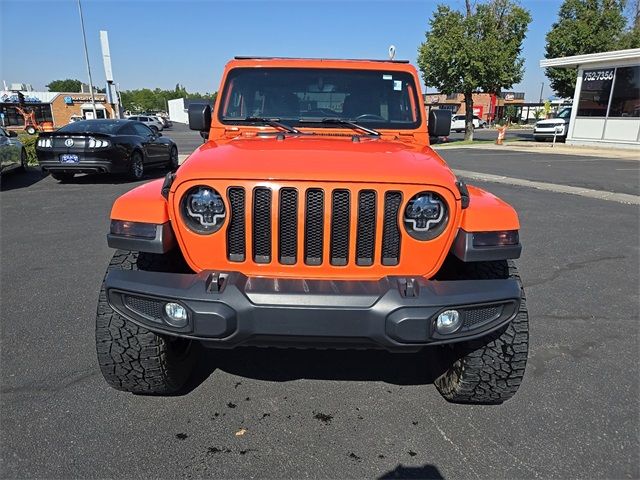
549 148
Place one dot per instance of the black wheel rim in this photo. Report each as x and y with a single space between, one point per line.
174 157
138 168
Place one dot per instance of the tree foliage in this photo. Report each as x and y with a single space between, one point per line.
147 100
474 51
69 85
587 26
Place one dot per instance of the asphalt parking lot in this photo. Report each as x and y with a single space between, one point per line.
327 414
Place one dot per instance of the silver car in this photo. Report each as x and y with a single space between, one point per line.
12 153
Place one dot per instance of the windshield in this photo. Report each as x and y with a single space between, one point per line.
298 96
91 126
564 113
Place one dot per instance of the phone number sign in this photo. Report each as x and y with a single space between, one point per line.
598 75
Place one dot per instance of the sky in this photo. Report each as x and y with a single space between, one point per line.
158 43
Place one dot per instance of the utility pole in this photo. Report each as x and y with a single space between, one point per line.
541 88
86 57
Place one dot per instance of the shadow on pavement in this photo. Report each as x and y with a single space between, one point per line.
19 179
282 365
114 179
427 471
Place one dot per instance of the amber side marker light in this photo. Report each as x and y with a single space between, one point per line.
133 229
496 239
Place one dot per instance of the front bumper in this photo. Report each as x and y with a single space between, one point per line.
228 309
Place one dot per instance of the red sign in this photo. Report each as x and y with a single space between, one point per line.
477 111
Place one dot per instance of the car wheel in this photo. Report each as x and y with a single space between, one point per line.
487 370
136 167
24 160
174 161
31 130
132 358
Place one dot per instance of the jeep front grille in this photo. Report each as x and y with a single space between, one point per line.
276 230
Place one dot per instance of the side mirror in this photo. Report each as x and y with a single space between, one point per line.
439 123
12 133
200 116
159 134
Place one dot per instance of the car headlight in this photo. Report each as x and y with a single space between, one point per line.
425 216
203 210
44 142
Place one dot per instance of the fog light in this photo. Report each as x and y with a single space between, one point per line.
176 314
448 321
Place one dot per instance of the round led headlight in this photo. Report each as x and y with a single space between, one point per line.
203 210
425 216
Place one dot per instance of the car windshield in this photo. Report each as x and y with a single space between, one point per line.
298 96
91 126
564 113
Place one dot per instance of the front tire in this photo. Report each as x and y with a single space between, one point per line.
174 160
488 370
136 166
24 161
132 358
31 130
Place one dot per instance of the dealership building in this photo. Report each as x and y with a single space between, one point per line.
606 103
56 107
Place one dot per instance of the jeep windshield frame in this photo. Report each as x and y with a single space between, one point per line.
305 96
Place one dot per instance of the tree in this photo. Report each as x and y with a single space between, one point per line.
587 26
478 50
147 100
68 85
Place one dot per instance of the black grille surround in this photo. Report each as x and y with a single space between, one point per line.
262 225
236 242
390 229
314 226
340 220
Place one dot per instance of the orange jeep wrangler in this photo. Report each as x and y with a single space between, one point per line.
315 215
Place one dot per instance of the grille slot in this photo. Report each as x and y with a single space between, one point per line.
288 228
151 309
390 229
340 227
366 230
314 226
262 225
478 315
236 243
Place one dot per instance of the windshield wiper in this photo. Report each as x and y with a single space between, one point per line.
342 121
272 122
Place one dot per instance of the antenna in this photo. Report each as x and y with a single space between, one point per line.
392 52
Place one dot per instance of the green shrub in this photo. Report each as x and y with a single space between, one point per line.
29 142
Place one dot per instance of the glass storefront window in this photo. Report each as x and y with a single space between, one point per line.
595 92
625 101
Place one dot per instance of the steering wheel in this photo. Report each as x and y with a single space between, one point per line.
370 116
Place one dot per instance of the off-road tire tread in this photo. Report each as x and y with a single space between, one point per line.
132 358
488 370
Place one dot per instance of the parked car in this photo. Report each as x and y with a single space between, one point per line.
151 122
559 125
321 229
166 123
458 123
104 146
12 153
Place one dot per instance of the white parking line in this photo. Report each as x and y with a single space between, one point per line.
552 187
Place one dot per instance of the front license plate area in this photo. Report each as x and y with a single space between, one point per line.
68 158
